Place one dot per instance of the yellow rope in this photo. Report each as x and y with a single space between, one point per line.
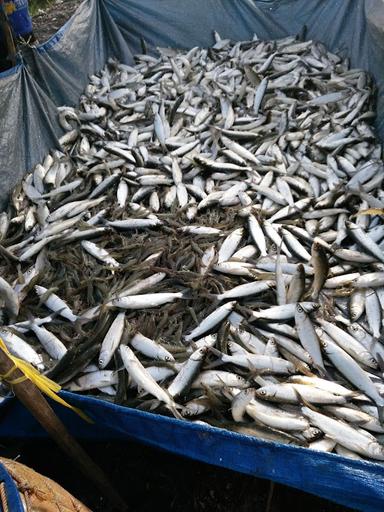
17 381
45 385
5 376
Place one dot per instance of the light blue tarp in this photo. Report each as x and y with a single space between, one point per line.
56 72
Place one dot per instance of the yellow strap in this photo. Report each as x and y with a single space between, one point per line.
8 374
17 381
45 385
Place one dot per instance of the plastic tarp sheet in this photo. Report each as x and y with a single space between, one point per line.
56 72
52 74
357 484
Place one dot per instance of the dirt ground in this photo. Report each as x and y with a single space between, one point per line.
49 20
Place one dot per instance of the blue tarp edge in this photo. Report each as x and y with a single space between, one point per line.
13 497
348 482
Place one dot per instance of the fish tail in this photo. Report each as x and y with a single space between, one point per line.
219 356
380 360
175 412
380 410
31 319
322 371
172 406
187 294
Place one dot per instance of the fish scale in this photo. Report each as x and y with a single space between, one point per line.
209 196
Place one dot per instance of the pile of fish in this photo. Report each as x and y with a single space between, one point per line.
208 243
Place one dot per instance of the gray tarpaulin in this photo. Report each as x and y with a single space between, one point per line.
56 72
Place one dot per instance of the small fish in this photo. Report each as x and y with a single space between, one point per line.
211 321
321 268
149 300
54 303
111 340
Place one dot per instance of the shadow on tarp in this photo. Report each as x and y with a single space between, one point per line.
329 476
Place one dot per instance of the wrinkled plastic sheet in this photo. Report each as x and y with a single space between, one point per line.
353 483
55 73
49 75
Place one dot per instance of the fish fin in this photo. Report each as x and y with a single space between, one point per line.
216 352
143 45
380 410
257 371
302 35
322 371
380 362
304 402
148 405
175 412
219 356
154 405
213 399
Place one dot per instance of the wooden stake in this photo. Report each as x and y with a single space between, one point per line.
31 397
8 36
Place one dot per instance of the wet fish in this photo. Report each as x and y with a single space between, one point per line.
213 244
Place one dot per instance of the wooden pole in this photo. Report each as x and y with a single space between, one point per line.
31 397
8 36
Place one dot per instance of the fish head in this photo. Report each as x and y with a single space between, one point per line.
356 330
200 353
266 392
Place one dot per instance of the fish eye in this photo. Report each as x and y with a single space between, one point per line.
299 308
262 392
